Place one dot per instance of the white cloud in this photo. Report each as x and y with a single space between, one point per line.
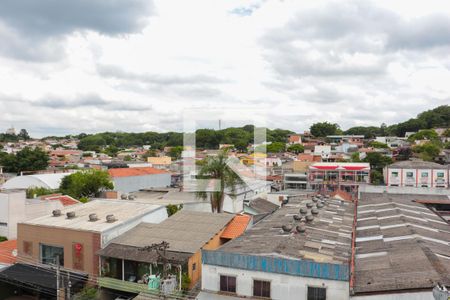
350 62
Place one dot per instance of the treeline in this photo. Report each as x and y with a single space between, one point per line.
22 135
241 137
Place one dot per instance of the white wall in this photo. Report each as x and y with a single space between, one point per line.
402 296
283 287
135 183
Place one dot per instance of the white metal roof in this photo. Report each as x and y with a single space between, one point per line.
49 181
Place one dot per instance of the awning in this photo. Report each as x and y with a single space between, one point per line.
325 167
354 168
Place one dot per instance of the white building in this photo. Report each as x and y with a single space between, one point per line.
284 258
417 173
48 181
15 208
128 180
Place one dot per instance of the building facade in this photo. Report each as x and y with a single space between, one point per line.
417 174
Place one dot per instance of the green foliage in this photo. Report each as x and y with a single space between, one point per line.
25 160
368 132
296 148
87 293
149 153
111 150
216 167
175 152
446 132
378 145
127 158
38 191
3 238
276 147
23 135
88 183
426 134
427 151
173 209
84 199
447 145
376 177
185 281
322 129
355 157
377 160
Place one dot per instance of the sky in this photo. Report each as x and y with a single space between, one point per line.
68 67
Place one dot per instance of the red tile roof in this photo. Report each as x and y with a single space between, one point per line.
125 172
236 227
6 252
64 199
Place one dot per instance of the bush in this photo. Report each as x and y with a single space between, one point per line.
38 191
3 238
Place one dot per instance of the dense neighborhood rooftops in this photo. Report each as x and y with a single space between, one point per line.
416 164
327 239
185 231
400 244
139 171
123 211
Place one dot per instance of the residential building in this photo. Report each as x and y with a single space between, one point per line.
294 139
129 260
402 247
392 141
351 139
297 181
160 162
15 208
128 180
417 173
76 233
287 255
329 177
8 253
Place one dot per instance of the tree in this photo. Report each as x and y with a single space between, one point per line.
38 191
175 152
377 160
427 151
378 145
26 159
173 209
276 147
426 134
368 132
446 132
23 134
111 150
322 129
296 148
87 293
88 183
216 168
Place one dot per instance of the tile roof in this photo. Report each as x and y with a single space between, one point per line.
6 252
64 199
236 227
141 171
400 244
416 164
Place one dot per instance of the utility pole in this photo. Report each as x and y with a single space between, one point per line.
57 277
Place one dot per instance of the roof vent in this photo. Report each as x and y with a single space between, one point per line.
309 205
124 196
315 199
300 228
286 228
131 197
93 217
70 215
110 218
303 211
314 211
297 217
56 213
309 218
319 205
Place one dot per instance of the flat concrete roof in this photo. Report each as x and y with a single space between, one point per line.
121 209
400 244
327 238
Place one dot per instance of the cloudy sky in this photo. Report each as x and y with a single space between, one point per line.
137 65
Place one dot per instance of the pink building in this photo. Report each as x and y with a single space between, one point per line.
417 173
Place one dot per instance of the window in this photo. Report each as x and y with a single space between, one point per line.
317 293
49 254
409 174
394 174
3 224
424 174
261 288
440 174
194 266
227 284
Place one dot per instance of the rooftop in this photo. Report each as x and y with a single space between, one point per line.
139 171
262 206
6 252
122 210
64 199
327 238
400 244
416 164
185 231
236 227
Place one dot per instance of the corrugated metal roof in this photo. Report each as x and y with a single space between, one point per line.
140 171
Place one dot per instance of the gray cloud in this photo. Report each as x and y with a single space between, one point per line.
35 30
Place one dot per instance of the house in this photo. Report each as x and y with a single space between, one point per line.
329 177
298 181
76 233
129 259
160 162
417 173
357 140
294 139
402 247
128 180
287 255
8 253
15 208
